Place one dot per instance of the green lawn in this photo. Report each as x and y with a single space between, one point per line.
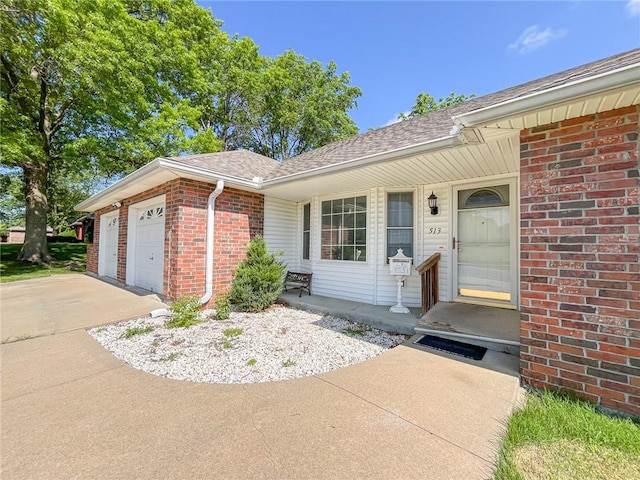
68 258
556 436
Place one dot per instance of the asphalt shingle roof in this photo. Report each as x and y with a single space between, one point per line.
438 124
238 163
247 165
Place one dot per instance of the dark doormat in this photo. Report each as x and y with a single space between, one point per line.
453 346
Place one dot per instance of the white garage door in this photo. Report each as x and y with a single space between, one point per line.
149 248
110 246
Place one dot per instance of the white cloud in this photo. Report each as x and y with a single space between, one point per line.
632 8
534 37
393 120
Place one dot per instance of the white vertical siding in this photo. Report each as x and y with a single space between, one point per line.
281 230
438 239
368 282
342 279
426 243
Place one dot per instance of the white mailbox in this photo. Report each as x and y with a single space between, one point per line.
400 264
399 267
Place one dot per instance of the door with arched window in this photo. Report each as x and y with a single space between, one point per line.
484 245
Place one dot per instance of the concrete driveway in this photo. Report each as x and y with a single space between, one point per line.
57 304
72 410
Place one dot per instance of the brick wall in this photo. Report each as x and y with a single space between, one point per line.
239 217
92 258
580 246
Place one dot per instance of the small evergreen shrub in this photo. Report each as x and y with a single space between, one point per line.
184 312
258 280
223 306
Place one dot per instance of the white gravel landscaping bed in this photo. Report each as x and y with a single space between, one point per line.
278 344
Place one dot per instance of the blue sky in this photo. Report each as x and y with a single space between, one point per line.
395 50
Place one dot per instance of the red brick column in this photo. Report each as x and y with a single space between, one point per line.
580 247
92 258
239 216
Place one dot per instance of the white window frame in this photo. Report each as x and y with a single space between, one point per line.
413 191
309 232
367 228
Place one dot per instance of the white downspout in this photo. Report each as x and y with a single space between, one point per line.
211 210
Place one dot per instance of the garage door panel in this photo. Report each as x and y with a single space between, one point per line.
149 248
110 250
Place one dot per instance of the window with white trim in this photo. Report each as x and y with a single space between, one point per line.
344 229
400 223
306 231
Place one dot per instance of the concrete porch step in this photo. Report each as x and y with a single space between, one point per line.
494 328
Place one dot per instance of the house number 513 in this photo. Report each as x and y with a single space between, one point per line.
435 230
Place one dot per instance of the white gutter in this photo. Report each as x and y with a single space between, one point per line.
211 211
132 178
149 169
423 147
211 215
623 77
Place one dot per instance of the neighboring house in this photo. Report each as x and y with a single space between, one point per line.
83 228
16 234
537 210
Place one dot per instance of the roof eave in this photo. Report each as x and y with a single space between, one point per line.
595 85
419 148
177 169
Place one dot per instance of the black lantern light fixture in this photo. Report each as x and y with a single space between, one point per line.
433 203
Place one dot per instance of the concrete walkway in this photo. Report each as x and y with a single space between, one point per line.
377 316
72 410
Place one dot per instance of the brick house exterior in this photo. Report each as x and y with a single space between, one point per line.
566 149
580 252
238 216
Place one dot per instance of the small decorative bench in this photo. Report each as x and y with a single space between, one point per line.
298 280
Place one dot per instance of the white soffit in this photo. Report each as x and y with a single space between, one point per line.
499 156
600 93
589 106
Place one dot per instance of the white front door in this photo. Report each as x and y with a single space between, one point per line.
108 261
149 248
484 244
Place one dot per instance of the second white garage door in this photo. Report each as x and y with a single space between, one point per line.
149 248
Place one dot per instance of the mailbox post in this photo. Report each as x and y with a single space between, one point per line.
399 267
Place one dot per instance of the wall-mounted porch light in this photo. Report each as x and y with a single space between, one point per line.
433 203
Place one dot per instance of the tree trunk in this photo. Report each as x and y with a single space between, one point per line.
35 248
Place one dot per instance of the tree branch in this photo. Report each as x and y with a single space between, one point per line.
57 123
42 118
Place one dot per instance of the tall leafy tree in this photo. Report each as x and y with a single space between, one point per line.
99 87
425 103
297 106
278 107
228 66
92 83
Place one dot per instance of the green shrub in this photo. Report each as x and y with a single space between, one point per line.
258 280
184 312
223 306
